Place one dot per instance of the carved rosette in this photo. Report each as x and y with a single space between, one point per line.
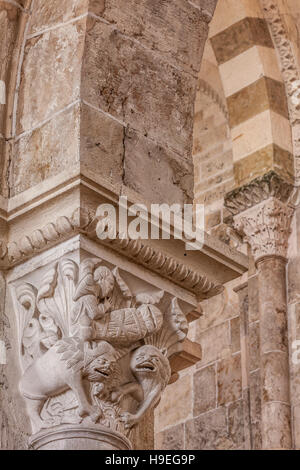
94 348
266 227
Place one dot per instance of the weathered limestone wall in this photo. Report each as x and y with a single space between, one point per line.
153 115
251 70
78 107
206 408
9 19
81 67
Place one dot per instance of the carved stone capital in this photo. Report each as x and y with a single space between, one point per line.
266 227
96 345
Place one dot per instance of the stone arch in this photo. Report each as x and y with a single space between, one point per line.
257 79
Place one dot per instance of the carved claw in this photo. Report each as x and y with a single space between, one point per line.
129 420
93 412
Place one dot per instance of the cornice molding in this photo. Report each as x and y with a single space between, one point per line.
268 186
84 222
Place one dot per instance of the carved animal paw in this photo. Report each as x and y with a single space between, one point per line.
91 411
129 420
116 397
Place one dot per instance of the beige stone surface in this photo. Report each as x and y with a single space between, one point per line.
49 14
177 20
259 132
175 405
235 334
215 343
276 428
204 390
116 101
275 384
254 340
229 380
46 151
238 11
159 106
170 439
248 67
208 431
169 177
53 58
9 16
101 144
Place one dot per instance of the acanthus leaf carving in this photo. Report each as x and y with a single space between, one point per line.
266 228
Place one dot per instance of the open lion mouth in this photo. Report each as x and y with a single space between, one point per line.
101 372
146 366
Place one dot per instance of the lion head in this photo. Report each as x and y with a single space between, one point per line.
100 362
149 361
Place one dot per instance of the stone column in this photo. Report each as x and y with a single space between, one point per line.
267 227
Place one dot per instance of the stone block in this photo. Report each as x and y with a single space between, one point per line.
137 87
253 299
215 343
47 151
254 355
175 30
229 380
101 144
236 424
255 408
171 438
47 14
208 431
169 177
219 163
235 334
261 95
176 404
204 385
273 373
240 37
277 424
50 77
9 15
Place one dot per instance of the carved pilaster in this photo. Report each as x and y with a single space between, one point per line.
266 228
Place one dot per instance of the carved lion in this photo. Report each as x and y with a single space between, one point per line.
64 366
151 368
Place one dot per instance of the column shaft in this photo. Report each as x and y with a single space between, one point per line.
276 413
